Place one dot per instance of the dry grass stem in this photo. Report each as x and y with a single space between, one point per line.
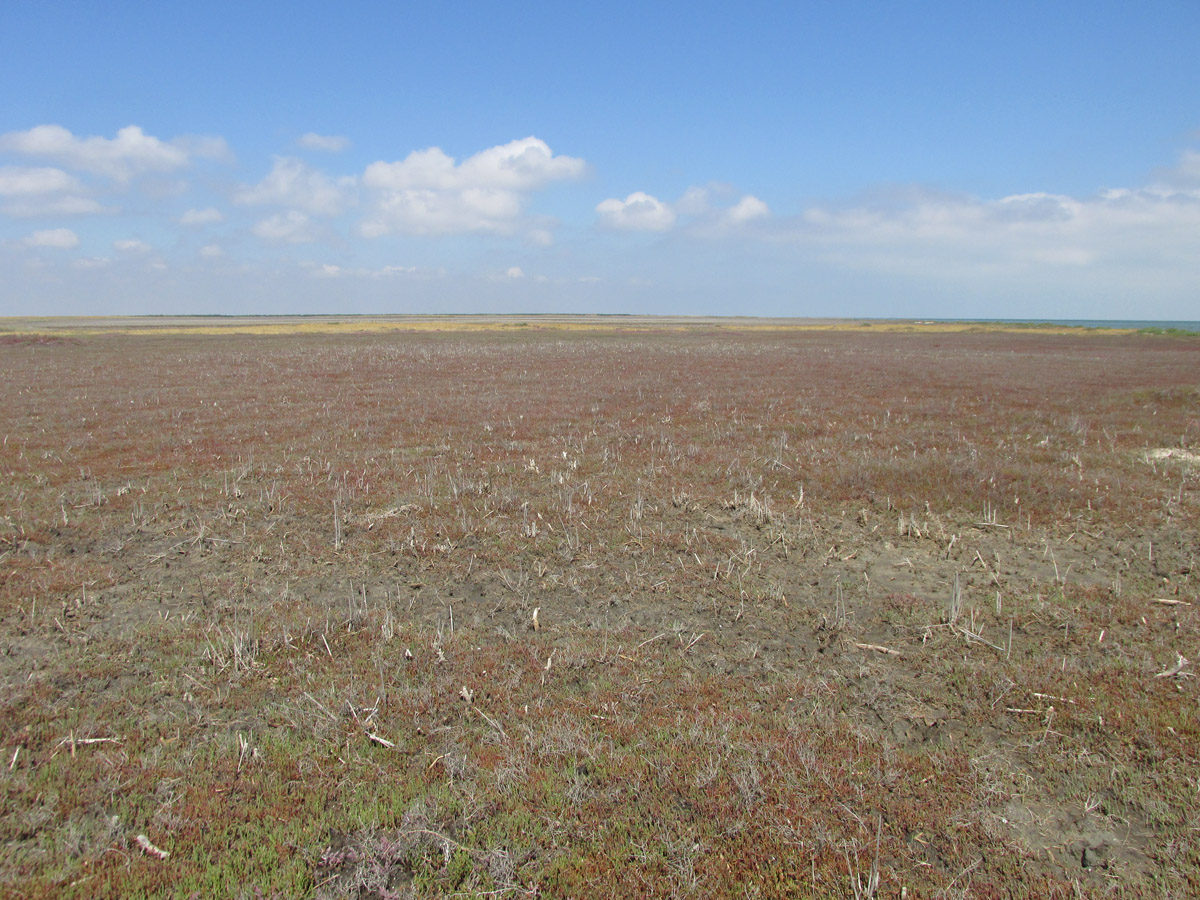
878 648
150 849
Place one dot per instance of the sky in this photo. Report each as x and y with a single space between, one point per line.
851 158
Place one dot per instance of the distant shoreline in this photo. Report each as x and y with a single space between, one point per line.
340 323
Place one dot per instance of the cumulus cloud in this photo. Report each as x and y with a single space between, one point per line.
131 245
294 185
326 143
196 218
699 206
292 227
521 165
211 251
747 209
428 192
59 238
131 152
43 191
637 212
19 181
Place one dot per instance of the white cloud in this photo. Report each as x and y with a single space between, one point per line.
514 272
211 251
327 143
1183 175
91 262
710 217
204 146
694 202
521 165
1117 234
198 217
292 184
130 153
329 270
132 245
540 237
43 191
747 209
67 205
292 227
61 238
20 181
443 212
429 193
637 212
644 212
1189 166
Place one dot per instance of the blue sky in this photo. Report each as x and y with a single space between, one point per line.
1033 160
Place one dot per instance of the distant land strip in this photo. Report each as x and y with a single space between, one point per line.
352 324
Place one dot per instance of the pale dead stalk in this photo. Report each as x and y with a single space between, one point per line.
878 648
382 741
1176 669
149 849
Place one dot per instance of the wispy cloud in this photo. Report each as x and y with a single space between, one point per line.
292 227
58 238
196 218
942 235
329 270
50 206
132 245
325 143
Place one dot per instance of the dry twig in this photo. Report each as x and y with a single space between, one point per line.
878 648
382 741
150 849
1176 669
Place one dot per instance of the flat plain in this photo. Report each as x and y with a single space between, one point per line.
589 608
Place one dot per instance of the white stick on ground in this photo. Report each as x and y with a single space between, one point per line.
381 740
1176 669
878 648
150 849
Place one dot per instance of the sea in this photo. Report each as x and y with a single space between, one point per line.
1089 323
